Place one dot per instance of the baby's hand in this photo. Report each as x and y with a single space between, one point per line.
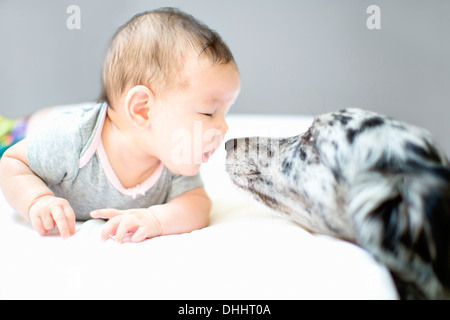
49 211
142 223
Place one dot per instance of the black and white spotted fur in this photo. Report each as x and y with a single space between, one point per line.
365 178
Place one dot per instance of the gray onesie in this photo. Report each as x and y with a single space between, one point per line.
67 153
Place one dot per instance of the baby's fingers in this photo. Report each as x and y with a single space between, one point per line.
70 216
37 225
127 224
140 235
61 221
42 223
48 222
105 213
110 227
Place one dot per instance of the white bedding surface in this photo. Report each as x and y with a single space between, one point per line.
247 252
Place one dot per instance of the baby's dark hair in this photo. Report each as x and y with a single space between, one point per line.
150 50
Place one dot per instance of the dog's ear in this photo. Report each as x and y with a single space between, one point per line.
403 219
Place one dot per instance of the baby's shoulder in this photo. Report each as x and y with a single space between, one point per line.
67 128
72 120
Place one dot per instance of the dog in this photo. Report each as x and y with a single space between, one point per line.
365 178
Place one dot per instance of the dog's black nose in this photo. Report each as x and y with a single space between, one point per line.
230 144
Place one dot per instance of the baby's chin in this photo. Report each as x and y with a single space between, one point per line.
184 169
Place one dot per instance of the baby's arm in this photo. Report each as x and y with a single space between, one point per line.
30 196
185 213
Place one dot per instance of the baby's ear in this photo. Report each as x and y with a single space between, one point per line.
137 103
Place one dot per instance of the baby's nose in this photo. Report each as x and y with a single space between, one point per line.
223 128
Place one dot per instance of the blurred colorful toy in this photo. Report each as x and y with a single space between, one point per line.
11 132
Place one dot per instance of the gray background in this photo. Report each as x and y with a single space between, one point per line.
295 57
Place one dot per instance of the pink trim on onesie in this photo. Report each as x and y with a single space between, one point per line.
97 146
95 141
112 177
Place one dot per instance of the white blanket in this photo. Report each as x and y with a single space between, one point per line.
247 252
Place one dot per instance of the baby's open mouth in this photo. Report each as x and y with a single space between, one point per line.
206 155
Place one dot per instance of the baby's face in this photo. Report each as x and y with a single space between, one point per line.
189 123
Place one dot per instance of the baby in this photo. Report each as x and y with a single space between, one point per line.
134 158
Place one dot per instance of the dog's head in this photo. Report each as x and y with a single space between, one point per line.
363 177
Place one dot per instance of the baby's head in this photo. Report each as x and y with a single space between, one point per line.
170 76
151 50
